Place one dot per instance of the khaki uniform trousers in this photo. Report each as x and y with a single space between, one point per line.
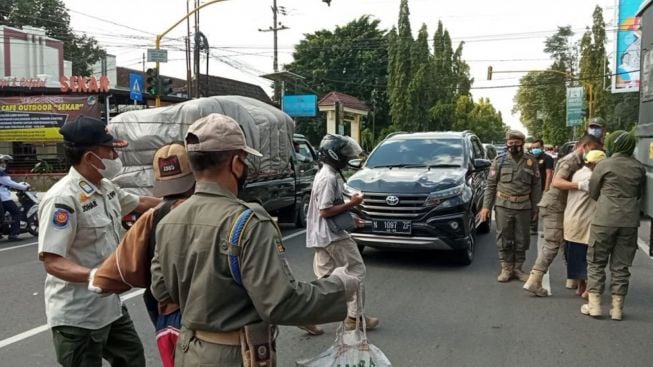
513 234
616 245
552 221
193 352
342 253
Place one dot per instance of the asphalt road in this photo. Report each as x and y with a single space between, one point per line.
432 313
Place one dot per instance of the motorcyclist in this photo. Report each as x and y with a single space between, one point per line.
8 204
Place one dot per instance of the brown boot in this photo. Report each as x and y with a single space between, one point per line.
534 284
519 273
616 312
506 272
593 306
370 323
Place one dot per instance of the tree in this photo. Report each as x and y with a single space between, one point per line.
594 65
481 118
352 59
53 16
401 73
420 88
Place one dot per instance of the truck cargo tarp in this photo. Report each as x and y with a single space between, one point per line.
267 129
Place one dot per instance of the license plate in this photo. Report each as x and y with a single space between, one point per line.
392 226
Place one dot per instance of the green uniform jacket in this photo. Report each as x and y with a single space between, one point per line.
514 178
190 268
555 200
617 184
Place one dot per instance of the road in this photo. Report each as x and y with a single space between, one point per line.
432 313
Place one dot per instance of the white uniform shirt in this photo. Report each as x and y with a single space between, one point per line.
325 194
579 210
7 183
82 223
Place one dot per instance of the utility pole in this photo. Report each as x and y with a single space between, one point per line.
189 74
196 51
276 26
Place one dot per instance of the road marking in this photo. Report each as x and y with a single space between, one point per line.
39 329
18 246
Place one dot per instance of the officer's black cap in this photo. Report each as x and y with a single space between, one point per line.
89 132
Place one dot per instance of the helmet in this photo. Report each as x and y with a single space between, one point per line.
337 150
621 141
597 121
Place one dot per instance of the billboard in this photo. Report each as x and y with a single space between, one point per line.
575 113
38 119
628 48
300 105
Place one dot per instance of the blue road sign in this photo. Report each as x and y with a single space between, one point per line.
300 105
135 86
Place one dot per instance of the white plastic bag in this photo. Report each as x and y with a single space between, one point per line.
351 349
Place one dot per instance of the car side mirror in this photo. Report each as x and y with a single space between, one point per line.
481 164
356 163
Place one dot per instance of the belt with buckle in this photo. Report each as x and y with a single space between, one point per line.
513 198
223 338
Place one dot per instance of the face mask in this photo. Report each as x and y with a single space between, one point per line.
112 167
536 151
242 180
514 149
595 131
3 167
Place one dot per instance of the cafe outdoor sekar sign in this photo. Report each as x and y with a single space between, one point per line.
38 119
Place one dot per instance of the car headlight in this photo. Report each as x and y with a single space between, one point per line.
349 191
449 197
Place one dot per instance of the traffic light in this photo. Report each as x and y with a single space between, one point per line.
489 73
166 86
152 81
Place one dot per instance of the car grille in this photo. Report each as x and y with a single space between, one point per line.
410 207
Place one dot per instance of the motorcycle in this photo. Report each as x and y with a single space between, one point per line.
28 204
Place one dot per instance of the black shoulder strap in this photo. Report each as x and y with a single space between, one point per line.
159 214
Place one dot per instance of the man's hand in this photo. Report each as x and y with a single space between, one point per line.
536 213
584 186
359 223
351 282
484 214
357 199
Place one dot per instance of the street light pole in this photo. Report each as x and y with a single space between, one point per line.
158 38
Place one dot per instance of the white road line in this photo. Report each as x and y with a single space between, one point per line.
18 246
39 329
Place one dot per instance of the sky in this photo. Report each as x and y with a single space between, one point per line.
506 34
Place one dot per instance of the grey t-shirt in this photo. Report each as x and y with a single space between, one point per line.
326 193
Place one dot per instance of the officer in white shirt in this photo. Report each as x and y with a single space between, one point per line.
8 204
80 220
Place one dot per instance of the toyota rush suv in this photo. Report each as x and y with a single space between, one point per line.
422 191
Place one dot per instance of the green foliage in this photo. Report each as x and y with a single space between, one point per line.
353 59
53 16
481 118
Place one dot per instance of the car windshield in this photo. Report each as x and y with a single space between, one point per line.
418 153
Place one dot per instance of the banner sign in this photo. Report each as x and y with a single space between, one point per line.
575 113
38 119
628 48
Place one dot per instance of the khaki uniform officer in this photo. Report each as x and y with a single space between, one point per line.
80 225
552 207
514 188
230 287
617 185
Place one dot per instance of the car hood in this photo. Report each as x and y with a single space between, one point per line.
406 180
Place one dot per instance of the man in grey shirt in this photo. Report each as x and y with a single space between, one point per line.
334 248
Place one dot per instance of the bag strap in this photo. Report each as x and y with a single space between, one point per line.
159 214
234 244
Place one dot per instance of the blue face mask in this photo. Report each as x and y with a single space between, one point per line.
536 151
595 131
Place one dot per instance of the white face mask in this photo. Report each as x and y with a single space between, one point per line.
112 167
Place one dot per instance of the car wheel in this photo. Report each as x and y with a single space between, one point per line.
302 210
466 256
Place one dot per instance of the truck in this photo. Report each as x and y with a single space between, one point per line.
644 129
281 180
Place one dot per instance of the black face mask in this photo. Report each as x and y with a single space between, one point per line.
242 180
515 149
